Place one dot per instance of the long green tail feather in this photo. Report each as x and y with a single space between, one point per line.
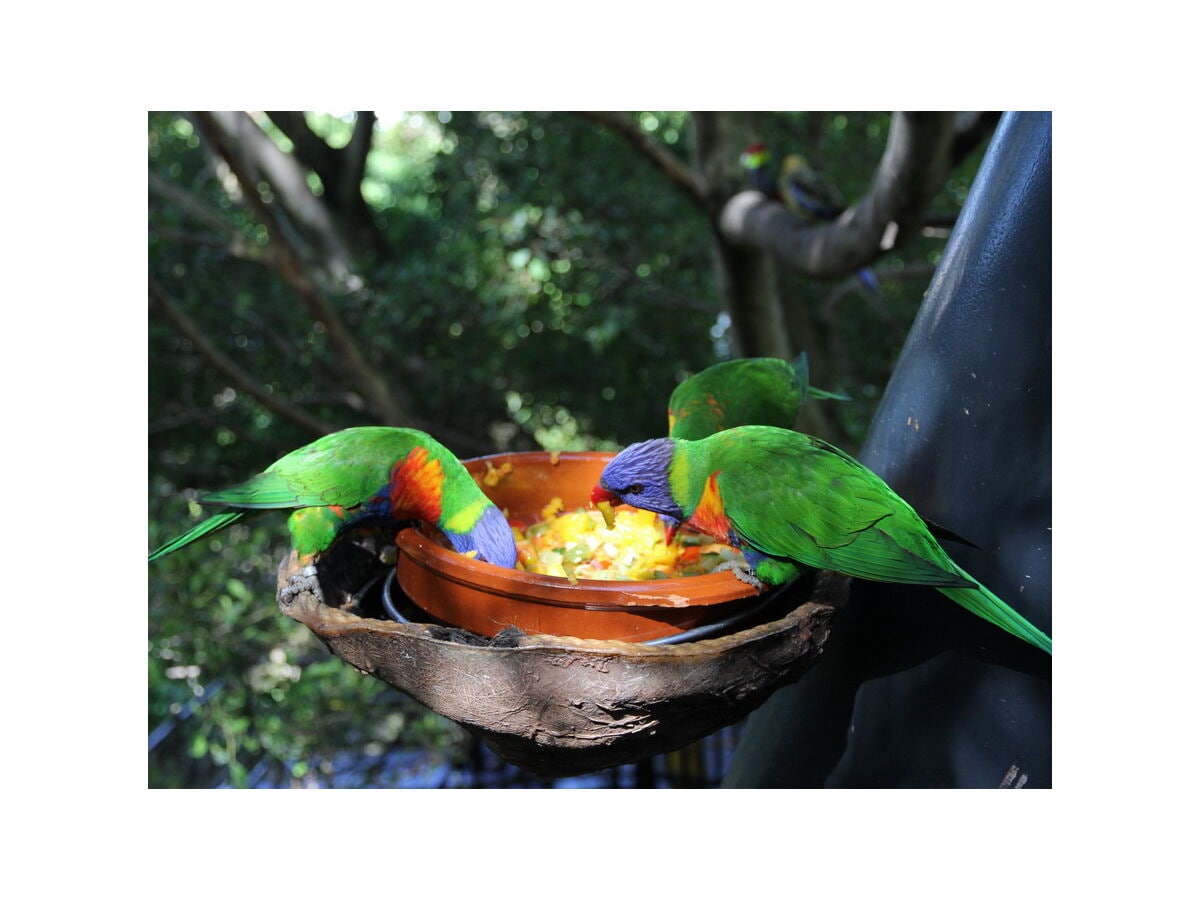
800 365
987 605
208 526
818 394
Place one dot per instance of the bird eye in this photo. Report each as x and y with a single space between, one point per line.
634 489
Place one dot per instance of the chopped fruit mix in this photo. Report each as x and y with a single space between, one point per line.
495 475
579 544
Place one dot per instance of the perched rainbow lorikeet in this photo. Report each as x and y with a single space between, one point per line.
788 500
756 391
759 165
344 478
806 193
801 189
798 185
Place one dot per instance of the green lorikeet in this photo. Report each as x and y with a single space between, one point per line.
346 477
789 500
756 391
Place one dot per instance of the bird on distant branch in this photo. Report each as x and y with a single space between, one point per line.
799 187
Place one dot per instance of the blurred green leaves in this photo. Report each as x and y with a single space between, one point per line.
283 704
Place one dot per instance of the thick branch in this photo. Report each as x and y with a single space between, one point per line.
341 170
288 263
747 280
310 149
354 169
913 168
677 171
254 157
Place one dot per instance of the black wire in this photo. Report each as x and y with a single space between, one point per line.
693 634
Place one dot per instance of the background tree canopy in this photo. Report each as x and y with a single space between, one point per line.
501 280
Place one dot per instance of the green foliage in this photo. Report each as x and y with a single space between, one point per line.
283 704
535 271
535 282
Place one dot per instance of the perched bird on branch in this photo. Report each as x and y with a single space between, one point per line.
798 185
806 192
802 189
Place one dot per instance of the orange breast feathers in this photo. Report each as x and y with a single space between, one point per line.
416 487
709 515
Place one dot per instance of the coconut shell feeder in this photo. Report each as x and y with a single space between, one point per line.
556 704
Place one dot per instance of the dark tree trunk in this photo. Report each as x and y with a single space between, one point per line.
745 276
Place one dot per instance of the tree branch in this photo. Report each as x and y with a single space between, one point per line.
913 168
678 172
244 382
308 147
746 279
217 128
237 247
238 377
341 170
255 158
354 170
188 204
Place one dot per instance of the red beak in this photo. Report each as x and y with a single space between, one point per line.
601 494
670 527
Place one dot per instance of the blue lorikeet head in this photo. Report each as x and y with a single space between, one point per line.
640 476
491 538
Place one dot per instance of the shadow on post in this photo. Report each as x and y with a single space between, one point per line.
913 691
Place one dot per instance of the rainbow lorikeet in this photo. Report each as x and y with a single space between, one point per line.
399 474
788 501
801 188
756 391
806 192
797 185
759 165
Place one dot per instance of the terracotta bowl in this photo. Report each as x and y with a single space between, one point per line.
486 599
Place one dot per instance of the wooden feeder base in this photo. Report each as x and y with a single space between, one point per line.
559 706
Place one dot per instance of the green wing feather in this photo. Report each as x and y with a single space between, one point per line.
346 468
793 496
